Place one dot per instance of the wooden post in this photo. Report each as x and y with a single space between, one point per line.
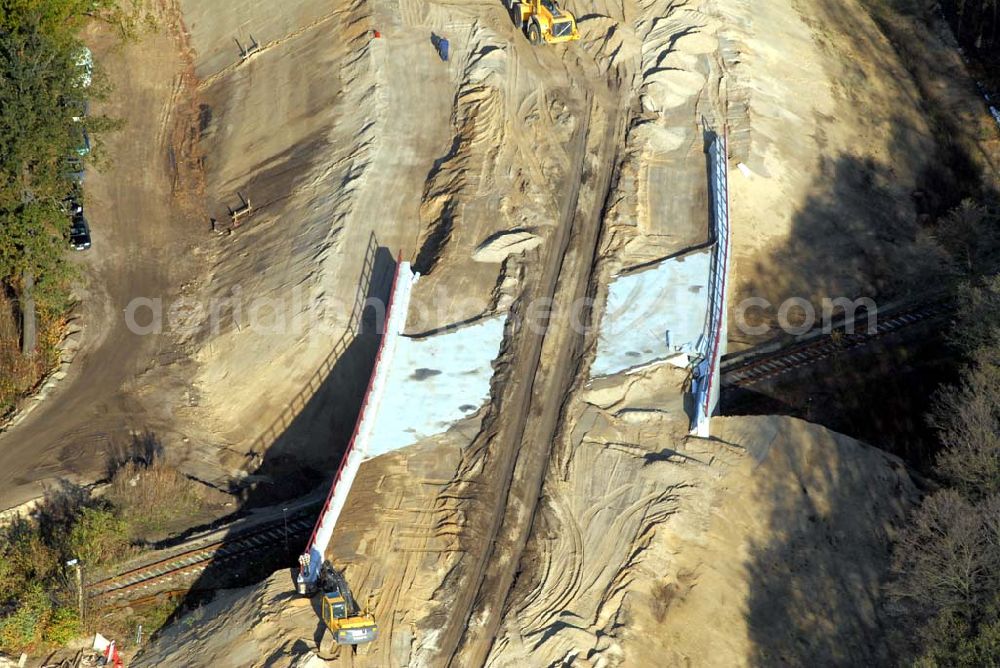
79 584
244 210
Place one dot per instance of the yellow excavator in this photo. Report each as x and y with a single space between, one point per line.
348 625
543 20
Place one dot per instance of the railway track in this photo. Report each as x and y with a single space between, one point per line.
167 572
744 371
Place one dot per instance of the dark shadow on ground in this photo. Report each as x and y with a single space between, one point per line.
143 448
322 422
816 577
879 394
855 236
860 234
816 587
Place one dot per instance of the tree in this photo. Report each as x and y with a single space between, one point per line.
99 536
949 556
947 559
969 419
40 77
37 600
56 18
968 233
24 627
952 641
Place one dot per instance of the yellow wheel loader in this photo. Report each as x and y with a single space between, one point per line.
543 20
348 625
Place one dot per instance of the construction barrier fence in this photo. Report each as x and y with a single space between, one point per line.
706 381
357 448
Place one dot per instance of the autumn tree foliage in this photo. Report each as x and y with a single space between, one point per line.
947 560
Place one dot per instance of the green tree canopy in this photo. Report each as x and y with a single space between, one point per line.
61 19
42 90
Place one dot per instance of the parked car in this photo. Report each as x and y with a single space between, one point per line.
79 233
74 169
85 61
79 106
81 140
72 204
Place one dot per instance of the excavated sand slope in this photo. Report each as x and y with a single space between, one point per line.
828 125
457 165
340 143
767 543
711 553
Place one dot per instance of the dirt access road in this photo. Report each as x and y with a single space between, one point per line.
543 367
141 248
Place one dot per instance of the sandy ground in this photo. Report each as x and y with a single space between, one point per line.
710 552
579 525
461 167
565 522
837 126
140 207
714 552
340 144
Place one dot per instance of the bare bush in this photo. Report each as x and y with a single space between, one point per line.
18 373
969 419
151 494
978 331
968 233
948 559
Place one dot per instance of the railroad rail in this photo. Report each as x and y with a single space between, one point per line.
744 371
165 572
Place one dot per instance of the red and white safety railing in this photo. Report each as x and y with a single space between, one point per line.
357 448
706 383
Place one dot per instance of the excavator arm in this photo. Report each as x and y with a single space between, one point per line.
341 614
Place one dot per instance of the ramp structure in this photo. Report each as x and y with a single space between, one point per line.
655 315
674 311
420 387
357 448
705 387
450 372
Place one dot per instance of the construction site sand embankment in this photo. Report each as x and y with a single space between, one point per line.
521 535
